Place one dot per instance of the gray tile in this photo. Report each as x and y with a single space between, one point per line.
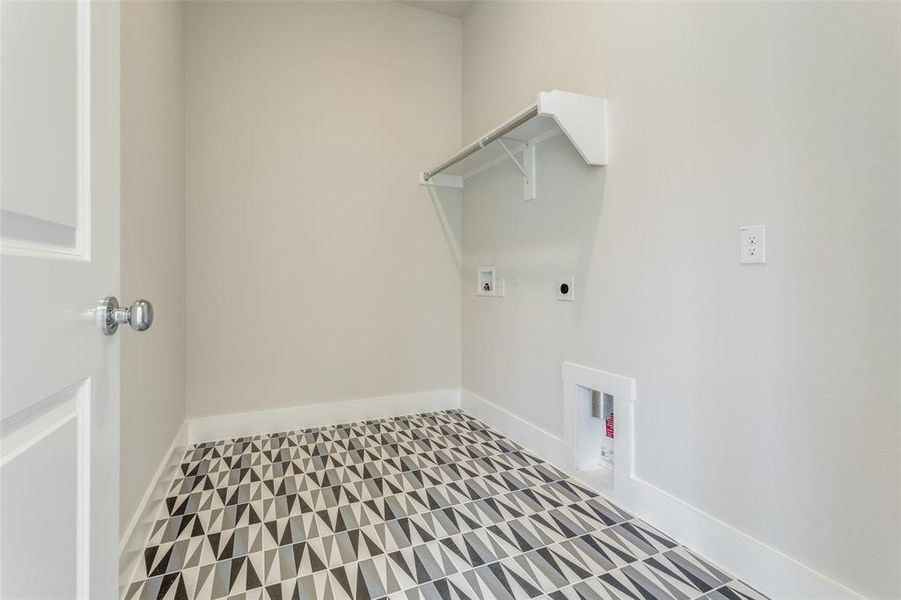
735 590
436 505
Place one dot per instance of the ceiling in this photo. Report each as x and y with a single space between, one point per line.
451 8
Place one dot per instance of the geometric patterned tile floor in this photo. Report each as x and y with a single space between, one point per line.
436 505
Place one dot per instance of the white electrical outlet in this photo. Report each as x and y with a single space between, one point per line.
753 245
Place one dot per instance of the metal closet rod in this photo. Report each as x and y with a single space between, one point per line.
481 143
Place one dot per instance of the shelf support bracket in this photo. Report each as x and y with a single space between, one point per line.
526 167
529 188
519 166
442 180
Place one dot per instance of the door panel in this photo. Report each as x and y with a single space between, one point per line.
59 241
43 462
39 109
46 85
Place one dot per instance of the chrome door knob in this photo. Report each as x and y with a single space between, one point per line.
110 315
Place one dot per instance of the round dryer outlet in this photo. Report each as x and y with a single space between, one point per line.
566 288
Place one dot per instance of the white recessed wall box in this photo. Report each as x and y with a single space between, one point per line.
485 281
582 119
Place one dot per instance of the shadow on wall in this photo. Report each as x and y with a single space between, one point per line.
447 203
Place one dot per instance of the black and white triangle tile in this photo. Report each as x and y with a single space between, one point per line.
436 505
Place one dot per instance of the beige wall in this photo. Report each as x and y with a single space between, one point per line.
767 396
153 236
317 268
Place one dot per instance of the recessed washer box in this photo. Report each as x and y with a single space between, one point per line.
485 284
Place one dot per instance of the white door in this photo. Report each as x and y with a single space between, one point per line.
59 397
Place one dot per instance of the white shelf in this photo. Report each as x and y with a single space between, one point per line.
582 119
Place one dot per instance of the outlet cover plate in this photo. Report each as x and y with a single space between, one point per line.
568 284
753 245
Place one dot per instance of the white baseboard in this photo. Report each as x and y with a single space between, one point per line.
134 539
747 558
543 443
221 427
765 568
